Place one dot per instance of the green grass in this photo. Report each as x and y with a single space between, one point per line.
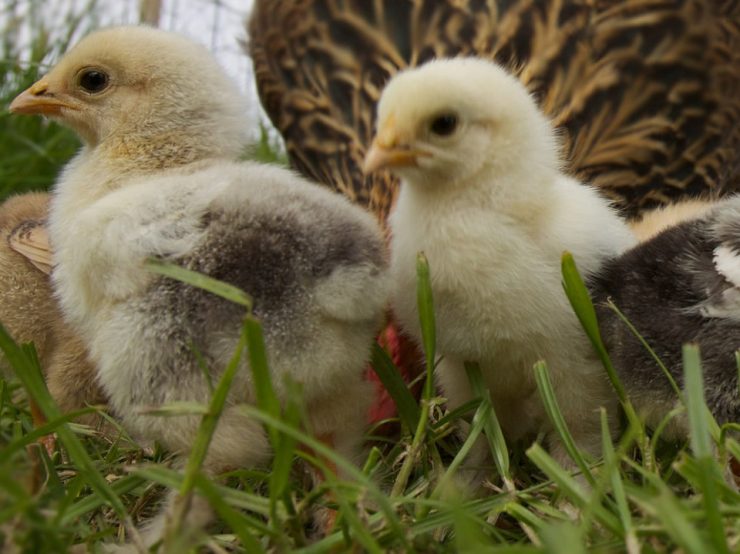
32 149
644 495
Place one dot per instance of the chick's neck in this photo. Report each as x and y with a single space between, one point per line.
521 194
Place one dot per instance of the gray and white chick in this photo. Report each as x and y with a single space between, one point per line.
483 196
681 286
162 126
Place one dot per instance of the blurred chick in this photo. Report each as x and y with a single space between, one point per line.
482 195
681 286
162 125
30 314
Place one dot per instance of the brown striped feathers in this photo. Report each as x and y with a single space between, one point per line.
645 93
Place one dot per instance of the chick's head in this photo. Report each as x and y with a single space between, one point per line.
139 82
445 122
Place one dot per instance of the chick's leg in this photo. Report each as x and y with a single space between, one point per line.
238 442
339 423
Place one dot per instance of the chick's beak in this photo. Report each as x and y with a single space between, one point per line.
39 99
388 151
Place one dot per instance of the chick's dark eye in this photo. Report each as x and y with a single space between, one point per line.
93 80
444 125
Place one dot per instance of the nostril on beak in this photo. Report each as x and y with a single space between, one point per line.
39 88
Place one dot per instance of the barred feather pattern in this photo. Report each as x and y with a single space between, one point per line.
645 93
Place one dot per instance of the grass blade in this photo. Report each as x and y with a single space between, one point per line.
203 438
347 468
408 408
219 288
238 522
29 373
425 306
547 393
580 300
571 488
701 445
494 434
611 468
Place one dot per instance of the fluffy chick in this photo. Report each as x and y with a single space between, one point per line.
483 197
157 177
681 286
30 314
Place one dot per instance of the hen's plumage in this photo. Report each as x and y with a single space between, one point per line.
645 94
157 177
681 286
483 197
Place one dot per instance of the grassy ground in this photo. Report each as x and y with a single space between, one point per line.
643 496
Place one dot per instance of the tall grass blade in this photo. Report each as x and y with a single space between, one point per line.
267 399
29 373
425 306
237 521
195 279
542 377
701 445
494 434
284 449
572 489
611 468
347 468
203 439
387 372
612 306
580 300
475 430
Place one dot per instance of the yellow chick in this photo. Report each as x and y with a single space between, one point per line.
483 196
29 312
162 127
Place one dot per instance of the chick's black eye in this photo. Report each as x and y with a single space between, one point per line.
444 125
93 80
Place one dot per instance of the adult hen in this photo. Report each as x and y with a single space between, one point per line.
162 127
483 197
645 94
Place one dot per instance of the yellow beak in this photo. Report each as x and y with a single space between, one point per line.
37 99
380 157
389 150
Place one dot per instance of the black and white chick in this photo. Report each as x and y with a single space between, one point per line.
162 127
483 196
681 286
